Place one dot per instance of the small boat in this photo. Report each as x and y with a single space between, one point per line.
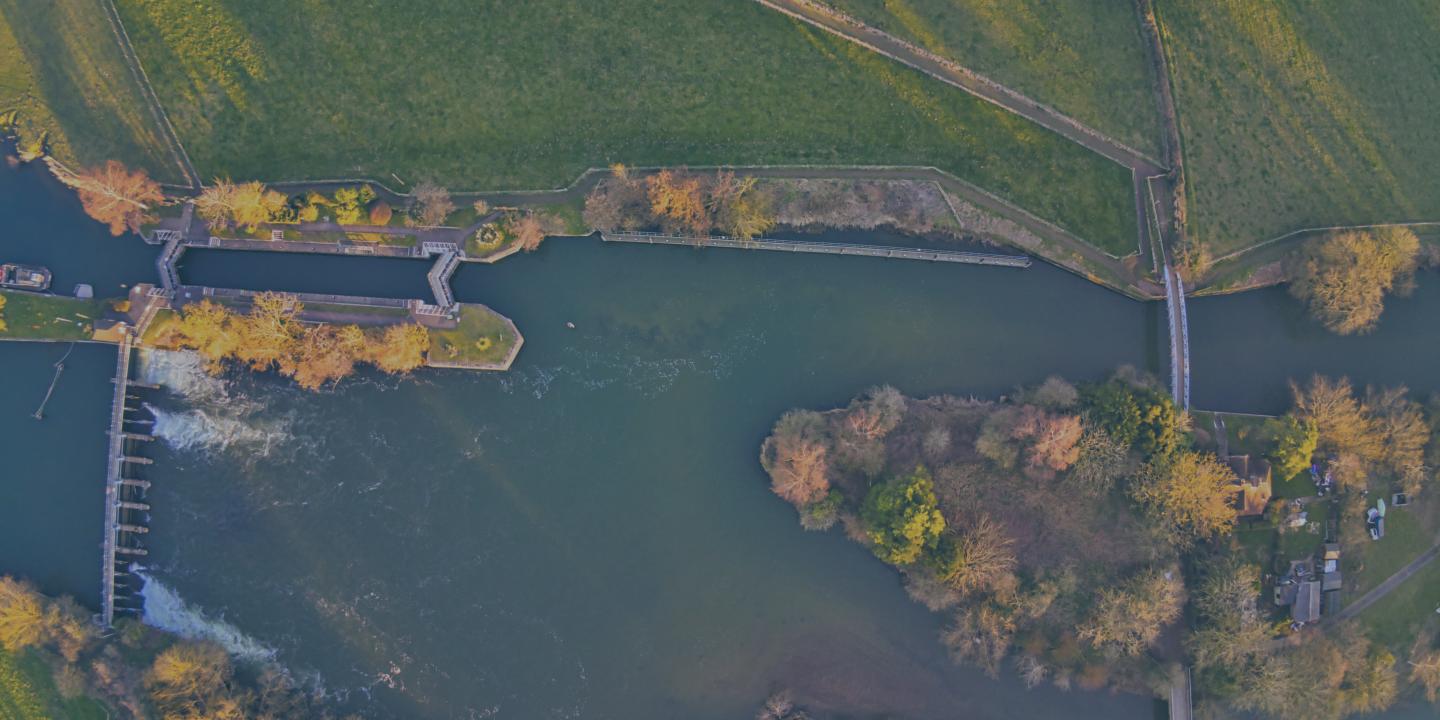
24 277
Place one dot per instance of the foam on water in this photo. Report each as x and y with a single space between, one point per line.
215 420
181 372
165 609
212 430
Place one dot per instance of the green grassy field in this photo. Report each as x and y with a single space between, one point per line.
507 95
27 692
61 67
1085 59
1297 114
47 317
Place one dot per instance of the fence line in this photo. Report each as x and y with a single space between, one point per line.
825 248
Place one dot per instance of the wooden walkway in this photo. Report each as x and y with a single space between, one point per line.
824 248
115 461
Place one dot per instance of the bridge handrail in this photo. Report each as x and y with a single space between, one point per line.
816 246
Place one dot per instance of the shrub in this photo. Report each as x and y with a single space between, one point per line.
902 518
380 213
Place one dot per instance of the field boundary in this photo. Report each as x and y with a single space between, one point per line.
137 70
1328 228
980 86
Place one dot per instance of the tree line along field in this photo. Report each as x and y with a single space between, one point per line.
1299 114
62 70
1085 59
503 95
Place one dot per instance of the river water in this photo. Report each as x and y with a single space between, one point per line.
589 535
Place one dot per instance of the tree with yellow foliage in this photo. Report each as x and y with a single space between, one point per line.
1189 493
740 209
116 196
207 328
1425 671
192 680
22 615
245 205
677 201
1344 280
270 332
400 348
2 313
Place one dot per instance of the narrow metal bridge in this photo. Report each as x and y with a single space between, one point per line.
1179 323
824 248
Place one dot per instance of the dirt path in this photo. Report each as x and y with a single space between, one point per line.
952 73
947 71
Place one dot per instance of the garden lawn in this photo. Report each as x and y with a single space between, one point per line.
1085 59
61 67
1369 562
1299 114
47 317
466 343
1395 618
495 95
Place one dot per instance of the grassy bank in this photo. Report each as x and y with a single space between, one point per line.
482 338
28 692
61 67
490 95
1298 114
1086 60
47 317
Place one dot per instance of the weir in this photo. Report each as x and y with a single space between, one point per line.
113 466
823 248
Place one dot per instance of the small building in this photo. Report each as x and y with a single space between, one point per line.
1330 568
1307 602
1252 484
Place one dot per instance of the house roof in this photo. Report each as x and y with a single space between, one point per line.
1307 602
1330 581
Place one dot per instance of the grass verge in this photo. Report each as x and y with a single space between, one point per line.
505 95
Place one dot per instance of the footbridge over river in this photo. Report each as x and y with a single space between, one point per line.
1179 337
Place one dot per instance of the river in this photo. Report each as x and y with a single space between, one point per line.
589 535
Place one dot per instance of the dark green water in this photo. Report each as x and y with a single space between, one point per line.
589 535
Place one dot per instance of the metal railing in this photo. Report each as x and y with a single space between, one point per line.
824 248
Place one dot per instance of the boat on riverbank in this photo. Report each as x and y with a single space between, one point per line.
24 277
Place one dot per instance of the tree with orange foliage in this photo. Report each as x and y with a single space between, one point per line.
795 455
116 196
677 200
531 228
325 354
400 348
